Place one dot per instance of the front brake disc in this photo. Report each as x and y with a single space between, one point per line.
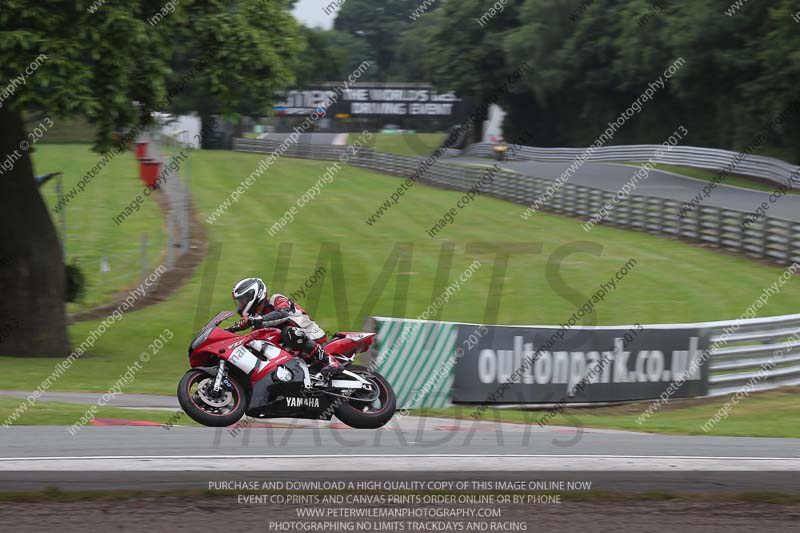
221 401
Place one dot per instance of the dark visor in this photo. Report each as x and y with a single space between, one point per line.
243 300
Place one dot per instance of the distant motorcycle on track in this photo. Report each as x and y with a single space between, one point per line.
235 375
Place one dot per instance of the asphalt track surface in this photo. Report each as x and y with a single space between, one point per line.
660 184
408 445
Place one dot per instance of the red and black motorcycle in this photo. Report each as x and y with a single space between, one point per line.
235 375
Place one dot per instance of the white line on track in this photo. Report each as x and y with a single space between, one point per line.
401 462
398 455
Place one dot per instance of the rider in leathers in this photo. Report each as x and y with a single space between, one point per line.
259 309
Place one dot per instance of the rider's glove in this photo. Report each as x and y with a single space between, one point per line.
244 323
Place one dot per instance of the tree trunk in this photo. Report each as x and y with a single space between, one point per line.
207 133
32 278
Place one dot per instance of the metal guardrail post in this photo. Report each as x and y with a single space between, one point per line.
705 225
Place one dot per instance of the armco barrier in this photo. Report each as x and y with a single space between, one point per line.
419 358
768 238
760 354
767 168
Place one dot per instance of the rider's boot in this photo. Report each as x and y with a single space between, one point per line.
330 365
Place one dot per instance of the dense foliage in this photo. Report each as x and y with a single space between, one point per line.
588 60
113 62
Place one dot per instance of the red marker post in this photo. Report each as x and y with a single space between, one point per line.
148 171
141 150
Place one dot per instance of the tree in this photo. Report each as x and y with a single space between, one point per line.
589 61
379 24
246 53
742 71
465 53
409 64
110 63
572 51
330 56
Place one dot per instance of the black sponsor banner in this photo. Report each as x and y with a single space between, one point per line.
551 365
364 100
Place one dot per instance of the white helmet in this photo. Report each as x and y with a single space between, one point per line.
248 295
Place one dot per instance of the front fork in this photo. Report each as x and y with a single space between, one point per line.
220 376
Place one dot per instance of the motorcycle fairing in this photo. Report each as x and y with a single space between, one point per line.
268 389
314 407
347 343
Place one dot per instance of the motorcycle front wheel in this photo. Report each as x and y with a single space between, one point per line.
214 409
367 410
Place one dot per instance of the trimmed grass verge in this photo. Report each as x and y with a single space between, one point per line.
767 414
67 414
672 281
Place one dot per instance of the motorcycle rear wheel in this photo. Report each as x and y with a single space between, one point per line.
192 402
373 414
